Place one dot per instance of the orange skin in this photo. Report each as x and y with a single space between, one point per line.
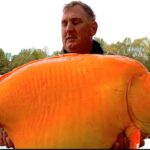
75 101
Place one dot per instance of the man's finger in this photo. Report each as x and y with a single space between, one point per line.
9 143
2 143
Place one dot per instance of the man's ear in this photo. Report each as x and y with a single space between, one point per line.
94 27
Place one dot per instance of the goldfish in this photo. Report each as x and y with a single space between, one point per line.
75 101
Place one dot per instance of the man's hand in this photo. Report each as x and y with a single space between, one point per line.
122 141
5 140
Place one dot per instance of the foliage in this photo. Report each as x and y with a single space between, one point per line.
55 53
27 55
4 62
138 49
8 62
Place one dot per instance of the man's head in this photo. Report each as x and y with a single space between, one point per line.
78 26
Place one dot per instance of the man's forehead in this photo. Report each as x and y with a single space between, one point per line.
71 17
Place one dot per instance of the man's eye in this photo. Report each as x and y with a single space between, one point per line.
64 23
76 22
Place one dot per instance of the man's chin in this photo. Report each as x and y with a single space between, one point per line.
71 48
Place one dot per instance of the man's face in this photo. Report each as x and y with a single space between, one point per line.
76 29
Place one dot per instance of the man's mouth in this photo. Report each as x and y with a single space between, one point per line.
71 38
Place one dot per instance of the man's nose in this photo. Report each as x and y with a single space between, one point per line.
70 26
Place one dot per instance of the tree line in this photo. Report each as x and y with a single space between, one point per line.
138 49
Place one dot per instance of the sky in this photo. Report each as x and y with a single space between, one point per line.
37 23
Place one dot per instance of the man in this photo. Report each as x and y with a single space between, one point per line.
78 26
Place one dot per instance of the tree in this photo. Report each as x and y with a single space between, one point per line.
139 49
27 55
4 62
55 53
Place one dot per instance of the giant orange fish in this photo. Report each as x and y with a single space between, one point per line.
75 101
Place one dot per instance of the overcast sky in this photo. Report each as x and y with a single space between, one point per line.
36 23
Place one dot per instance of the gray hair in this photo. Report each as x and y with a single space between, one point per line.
85 7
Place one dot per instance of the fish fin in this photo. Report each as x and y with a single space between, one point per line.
134 135
135 139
